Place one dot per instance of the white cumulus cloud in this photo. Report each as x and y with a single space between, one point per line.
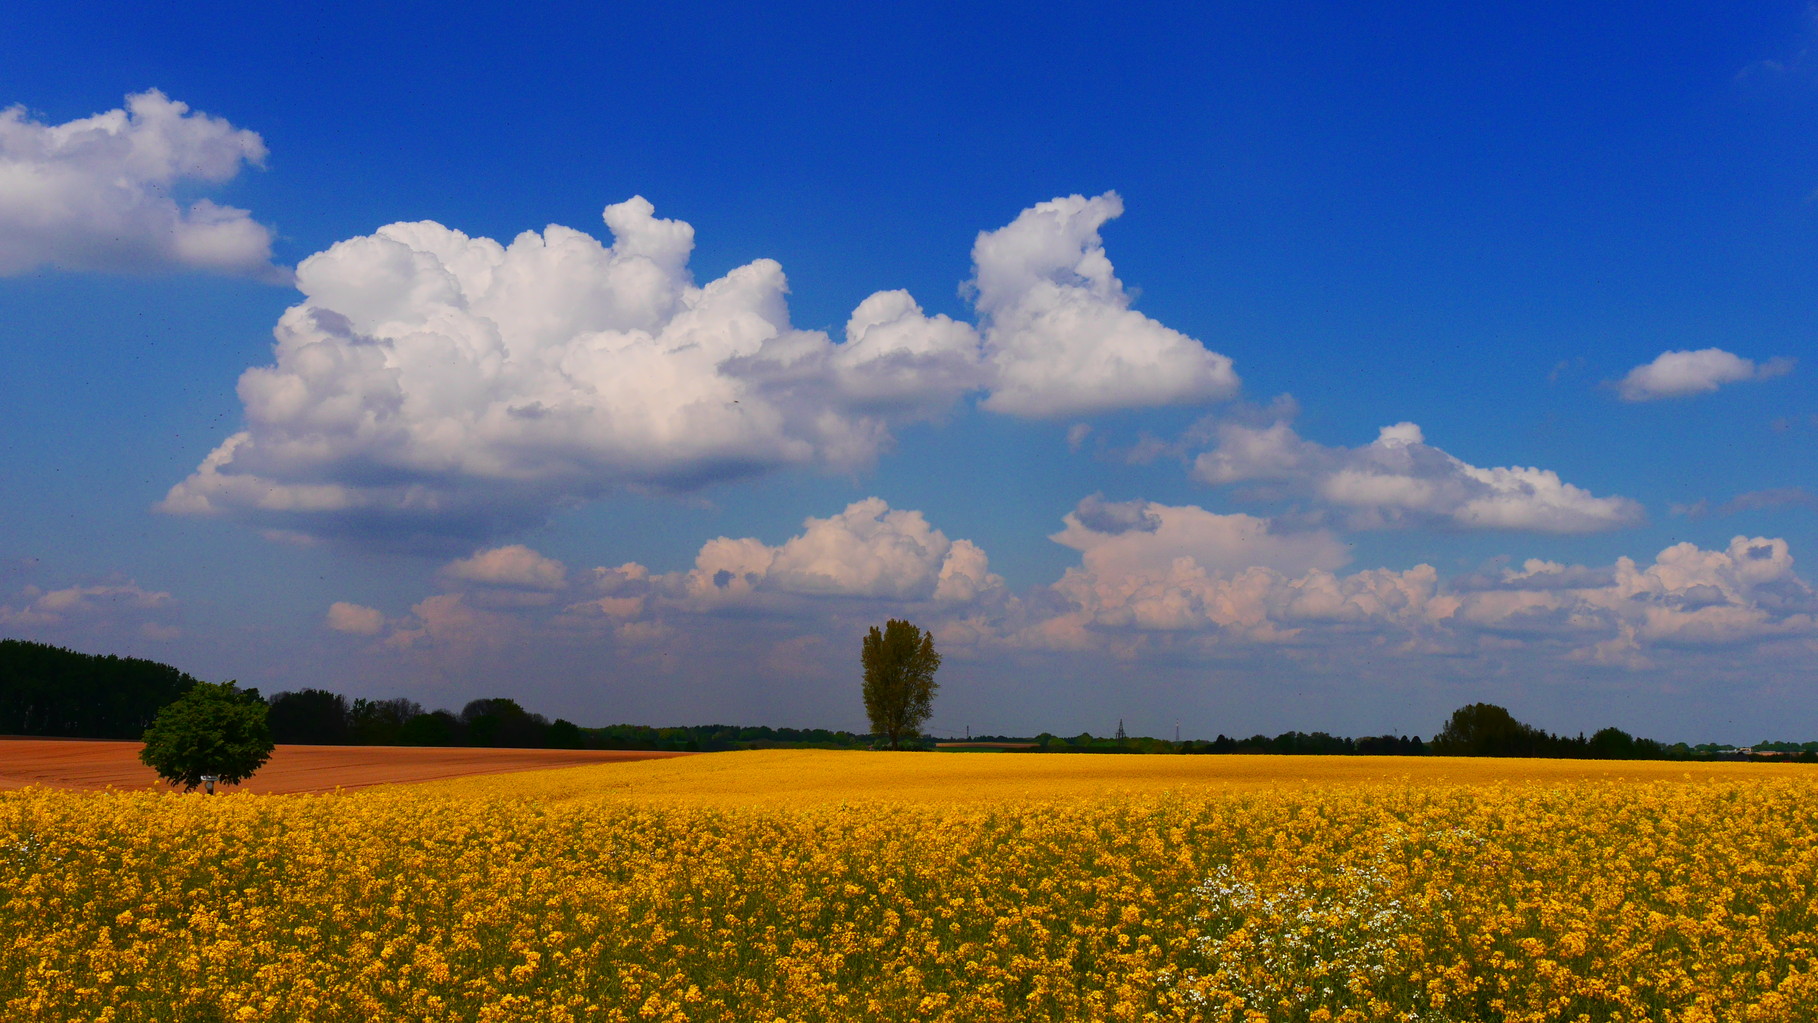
1143 536
1400 479
1186 578
1628 614
455 386
515 565
96 193
1680 373
1059 331
895 356
451 623
868 550
355 618
1150 566
434 386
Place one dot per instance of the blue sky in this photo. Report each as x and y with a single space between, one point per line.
1257 367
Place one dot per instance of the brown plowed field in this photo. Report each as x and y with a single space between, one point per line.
98 763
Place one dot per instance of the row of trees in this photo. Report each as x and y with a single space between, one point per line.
51 691
1486 730
1315 744
1477 730
320 717
47 690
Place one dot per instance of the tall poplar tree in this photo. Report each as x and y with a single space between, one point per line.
899 662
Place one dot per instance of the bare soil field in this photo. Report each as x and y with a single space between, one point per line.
100 763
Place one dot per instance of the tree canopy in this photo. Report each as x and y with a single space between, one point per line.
213 729
501 722
1486 730
899 662
47 690
311 716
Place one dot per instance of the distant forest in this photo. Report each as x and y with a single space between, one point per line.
47 690
50 691
325 718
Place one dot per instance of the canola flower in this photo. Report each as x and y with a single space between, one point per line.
803 885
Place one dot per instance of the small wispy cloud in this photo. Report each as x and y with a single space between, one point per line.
515 566
1795 63
105 609
357 619
1753 500
1679 374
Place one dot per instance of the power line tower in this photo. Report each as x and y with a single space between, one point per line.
1120 730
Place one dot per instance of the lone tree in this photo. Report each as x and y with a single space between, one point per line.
213 729
1486 730
899 680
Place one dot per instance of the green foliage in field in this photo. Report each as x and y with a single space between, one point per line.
212 731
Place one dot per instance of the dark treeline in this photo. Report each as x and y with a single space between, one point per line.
1486 730
1478 730
50 691
1315 744
714 738
47 690
1287 743
317 716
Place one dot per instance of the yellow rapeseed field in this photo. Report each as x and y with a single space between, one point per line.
807 885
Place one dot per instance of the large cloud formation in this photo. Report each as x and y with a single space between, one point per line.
95 193
1185 575
437 385
1679 374
1689 598
1059 329
1401 480
868 553
1150 578
1150 566
1215 579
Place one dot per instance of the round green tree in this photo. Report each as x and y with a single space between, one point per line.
899 663
213 729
